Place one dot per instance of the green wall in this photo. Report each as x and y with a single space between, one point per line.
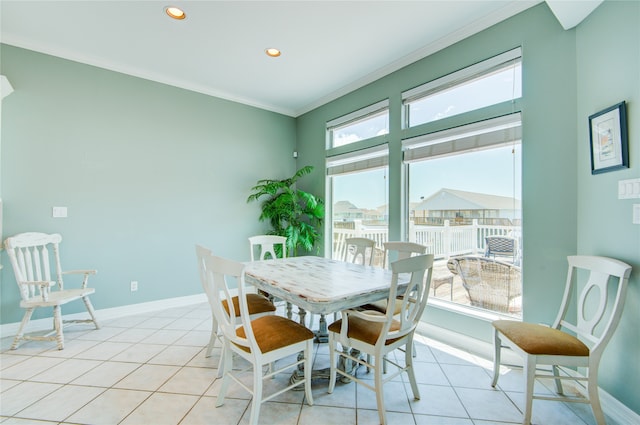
608 71
565 210
146 171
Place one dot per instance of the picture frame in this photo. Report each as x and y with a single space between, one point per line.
608 139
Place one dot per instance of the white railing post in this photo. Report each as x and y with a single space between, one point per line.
446 239
357 228
412 231
474 232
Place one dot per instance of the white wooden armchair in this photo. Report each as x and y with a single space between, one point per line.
34 256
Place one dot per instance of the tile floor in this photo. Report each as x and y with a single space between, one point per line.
151 369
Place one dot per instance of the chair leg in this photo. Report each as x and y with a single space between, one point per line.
594 399
257 394
377 371
333 362
213 337
497 347
23 324
227 355
408 358
57 325
289 310
557 381
307 372
92 313
530 378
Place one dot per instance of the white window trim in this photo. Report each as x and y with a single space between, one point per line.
353 117
461 75
360 160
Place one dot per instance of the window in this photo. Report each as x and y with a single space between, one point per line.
490 82
357 184
464 186
363 124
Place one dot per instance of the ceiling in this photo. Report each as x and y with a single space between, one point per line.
328 47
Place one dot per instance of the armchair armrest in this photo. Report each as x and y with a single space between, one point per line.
86 274
42 286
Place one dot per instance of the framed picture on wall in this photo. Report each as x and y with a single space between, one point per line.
608 139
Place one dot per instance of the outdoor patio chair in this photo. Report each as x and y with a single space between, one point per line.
501 246
573 341
490 284
35 258
260 341
376 334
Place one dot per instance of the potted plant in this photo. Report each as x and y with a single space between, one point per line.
292 212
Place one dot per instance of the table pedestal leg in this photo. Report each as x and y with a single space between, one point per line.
322 334
303 314
344 364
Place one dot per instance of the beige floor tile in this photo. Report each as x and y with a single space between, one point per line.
276 413
72 348
488 405
184 323
66 371
7 360
177 355
195 338
23 395
133 335
438 400
164 336
61 403
102 334
156 323
139 353
30 367
206 412
104 351
190 380
110 407
106 374
161 409
325 415
5 384
366 416
147 377
441 420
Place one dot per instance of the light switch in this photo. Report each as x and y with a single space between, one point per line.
636 213
629 189
59 212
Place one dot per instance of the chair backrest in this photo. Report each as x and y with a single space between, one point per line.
401 250
33 256
597 314
500 245
265 247
201 254
222 277
359 251
415 296
490 284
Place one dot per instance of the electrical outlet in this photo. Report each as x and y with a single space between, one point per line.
134 285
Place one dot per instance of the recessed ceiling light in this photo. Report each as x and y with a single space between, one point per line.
273 52
175 12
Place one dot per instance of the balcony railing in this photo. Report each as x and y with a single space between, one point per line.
448 240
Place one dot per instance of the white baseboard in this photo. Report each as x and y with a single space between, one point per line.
611 406
10 329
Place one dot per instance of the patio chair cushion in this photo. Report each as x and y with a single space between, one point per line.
364 330
540 339
255 302
273 332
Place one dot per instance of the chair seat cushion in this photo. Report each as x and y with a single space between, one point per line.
365 330
256 304
538 339
274 332
57 297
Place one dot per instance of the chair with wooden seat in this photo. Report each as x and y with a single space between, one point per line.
257 304
35 258
260 341
597 286
376 334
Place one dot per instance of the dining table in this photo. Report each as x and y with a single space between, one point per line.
321 286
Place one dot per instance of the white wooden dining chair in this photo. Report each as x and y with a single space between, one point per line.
574 340
399 251
35 258
377 334
360 251
269 247
260 341
257 304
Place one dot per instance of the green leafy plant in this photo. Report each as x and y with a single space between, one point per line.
293 213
